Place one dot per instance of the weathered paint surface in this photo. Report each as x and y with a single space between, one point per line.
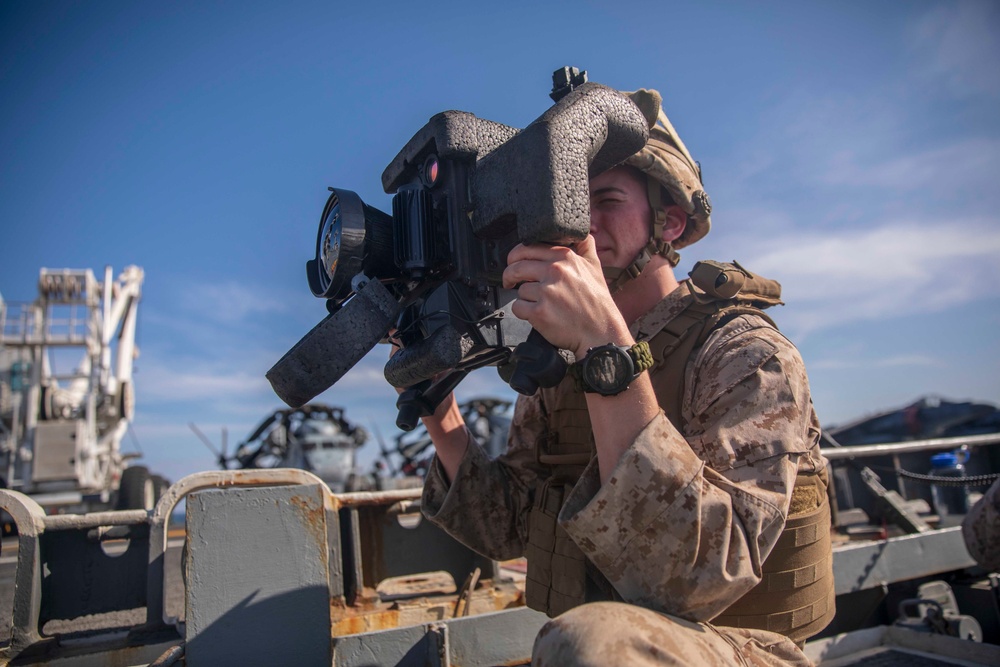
372 614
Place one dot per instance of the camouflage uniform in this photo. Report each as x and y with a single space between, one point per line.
687 517
612 633
981 529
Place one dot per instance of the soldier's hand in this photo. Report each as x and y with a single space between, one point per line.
562 292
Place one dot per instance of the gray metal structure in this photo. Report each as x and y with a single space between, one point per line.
320 593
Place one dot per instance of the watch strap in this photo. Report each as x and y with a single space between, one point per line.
642 356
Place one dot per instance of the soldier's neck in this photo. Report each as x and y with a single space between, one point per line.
638 296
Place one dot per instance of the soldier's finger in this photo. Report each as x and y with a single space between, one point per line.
537 251
529 292
587 248
523 271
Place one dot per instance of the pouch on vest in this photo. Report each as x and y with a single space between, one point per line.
725 281
557 569
795 596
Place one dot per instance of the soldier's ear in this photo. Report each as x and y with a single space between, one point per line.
675 223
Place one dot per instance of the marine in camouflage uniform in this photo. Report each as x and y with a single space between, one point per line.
677 504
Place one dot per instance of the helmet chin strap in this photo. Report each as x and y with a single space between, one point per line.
616 277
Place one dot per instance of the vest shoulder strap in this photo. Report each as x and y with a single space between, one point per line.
720 292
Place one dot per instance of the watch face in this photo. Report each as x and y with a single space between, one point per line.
608 370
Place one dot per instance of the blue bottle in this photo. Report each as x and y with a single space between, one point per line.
950 502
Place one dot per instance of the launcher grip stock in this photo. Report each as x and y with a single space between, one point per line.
334 345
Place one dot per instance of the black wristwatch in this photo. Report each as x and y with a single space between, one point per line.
609 369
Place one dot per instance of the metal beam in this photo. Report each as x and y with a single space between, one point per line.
863 565
502 638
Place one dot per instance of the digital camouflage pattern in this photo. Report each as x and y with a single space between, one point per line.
686 518
981 529
611 633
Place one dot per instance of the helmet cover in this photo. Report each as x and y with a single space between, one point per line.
666 160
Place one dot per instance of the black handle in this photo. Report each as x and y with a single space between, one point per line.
423 398
536 363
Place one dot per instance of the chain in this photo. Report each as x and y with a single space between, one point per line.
973 480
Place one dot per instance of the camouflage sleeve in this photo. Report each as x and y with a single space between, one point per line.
486 506
981 529
685 522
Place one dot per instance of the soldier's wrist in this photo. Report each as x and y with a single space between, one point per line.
613 336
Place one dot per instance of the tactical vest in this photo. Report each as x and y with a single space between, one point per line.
795 596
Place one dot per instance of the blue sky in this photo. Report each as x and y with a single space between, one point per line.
851 150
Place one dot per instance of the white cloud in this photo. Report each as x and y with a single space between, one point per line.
806 129
842 156
894 145
942 172
880 272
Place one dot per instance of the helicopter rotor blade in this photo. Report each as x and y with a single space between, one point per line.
201 436
383 449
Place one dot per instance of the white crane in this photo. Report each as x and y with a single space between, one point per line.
60 429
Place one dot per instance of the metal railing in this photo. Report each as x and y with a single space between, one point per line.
841 452
57 325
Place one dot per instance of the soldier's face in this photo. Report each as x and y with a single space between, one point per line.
620 216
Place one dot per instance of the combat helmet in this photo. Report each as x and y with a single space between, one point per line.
666 162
